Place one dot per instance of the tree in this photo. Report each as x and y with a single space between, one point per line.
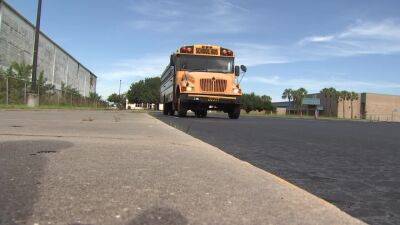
2 73
287 94
330 95
353 96
298 96
117 99
325 92
251 102
69 91
343 96
248 102
17 75
266 103
145 91
23 71
93 96
43 86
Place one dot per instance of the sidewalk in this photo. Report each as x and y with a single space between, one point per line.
95 167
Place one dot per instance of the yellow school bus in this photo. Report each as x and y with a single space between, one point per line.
199 78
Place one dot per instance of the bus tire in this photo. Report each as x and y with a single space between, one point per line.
165 109
201 113
234 113
170 109
182 111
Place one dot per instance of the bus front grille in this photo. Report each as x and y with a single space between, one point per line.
213 85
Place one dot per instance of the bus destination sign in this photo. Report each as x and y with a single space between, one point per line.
206 50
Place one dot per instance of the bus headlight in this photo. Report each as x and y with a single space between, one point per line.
189 88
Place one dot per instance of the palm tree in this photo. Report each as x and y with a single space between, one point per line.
23 71
330 94
298 96
343 96
287 94
353 96
325 92
334 96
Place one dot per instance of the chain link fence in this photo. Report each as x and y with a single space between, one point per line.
14 91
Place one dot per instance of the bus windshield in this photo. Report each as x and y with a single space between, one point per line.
204 63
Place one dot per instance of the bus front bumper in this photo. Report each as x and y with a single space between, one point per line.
209 99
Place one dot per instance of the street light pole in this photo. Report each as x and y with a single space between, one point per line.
119 92
36 46
33 97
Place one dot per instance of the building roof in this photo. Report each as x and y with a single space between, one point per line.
283 104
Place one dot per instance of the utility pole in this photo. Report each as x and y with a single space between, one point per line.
33 98
119 92
36 46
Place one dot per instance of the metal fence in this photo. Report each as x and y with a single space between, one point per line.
14 91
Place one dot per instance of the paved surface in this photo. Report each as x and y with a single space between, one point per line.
88 167
354 165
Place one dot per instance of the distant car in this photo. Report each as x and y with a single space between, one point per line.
113 106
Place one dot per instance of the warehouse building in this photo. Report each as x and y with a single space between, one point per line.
369 106
16 45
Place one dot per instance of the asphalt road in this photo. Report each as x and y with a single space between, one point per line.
353 165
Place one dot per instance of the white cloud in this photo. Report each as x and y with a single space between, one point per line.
250 54
144 66
273 80
197 17
317 39
359 39
130 70
362 38
156 8
387 29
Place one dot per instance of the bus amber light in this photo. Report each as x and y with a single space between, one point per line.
186 49
226 52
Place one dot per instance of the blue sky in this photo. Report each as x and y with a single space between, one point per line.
352 45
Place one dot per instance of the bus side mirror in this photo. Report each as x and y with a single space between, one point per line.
243 68
237 71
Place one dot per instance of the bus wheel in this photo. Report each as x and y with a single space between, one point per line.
201 113
165 109
182 111
170 109
234 113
